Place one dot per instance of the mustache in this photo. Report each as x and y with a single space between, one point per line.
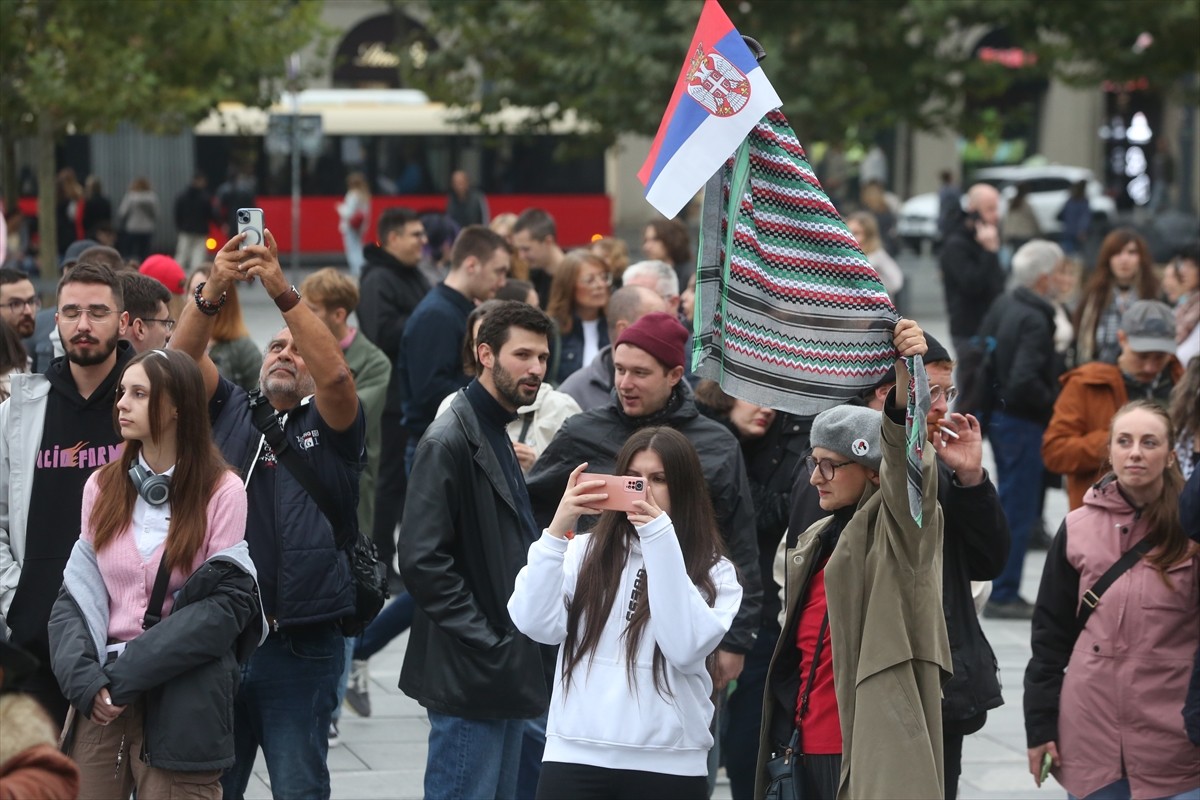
83 338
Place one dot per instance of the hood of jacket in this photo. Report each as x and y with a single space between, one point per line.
59 375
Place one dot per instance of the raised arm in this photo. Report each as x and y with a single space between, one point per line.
336 399
195 328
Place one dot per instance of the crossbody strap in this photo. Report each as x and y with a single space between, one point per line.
812 669
267 422
159 594
1091 598
526 422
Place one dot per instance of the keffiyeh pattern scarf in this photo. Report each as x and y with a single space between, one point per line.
789 312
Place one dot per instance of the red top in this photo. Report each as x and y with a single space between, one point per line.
820 730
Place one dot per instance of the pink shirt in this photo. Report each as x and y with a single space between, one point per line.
130 580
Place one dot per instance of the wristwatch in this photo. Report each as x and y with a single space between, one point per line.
288 299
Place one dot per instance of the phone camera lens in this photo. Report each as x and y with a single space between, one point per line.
243 216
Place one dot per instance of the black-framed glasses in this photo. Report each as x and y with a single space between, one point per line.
936 391
94 313
170 323
17 305
826 466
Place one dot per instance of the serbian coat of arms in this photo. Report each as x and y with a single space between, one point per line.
717 84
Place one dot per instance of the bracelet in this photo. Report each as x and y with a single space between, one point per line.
569 535
288 299
207 308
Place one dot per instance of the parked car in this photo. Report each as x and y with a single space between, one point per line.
1048 185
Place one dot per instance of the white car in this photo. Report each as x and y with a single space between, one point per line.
1048 186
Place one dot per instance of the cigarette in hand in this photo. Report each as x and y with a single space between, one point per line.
946 430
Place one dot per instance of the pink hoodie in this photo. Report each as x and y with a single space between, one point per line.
1128 675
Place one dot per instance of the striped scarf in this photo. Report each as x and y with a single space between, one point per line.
789 312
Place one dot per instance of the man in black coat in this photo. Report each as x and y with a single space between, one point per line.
970 264
1026 376
391 288
467 529
648 364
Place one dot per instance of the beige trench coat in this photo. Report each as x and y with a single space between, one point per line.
891 653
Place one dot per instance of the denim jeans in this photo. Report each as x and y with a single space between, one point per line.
472 759
288 692
1120 790
533 747
1017 445
395 618
344 678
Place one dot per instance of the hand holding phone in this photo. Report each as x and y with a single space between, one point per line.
622 491
250 222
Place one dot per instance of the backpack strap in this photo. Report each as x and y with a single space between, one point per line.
159 594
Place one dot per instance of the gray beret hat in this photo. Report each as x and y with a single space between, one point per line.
850 431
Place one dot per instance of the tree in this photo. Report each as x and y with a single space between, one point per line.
842 67
86 65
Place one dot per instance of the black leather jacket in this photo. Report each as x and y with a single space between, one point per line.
461 546
187 666
1026 364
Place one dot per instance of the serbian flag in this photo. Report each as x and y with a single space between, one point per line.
720 96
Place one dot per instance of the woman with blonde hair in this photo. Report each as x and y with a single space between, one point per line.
1114 629
578 296
614 251
233 351
865 231
354 220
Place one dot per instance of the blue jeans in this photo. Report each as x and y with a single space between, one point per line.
288 693
472 759
344 678
395 618
1017 445
533 747
743 716
1120 791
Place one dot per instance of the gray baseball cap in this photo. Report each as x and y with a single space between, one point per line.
1150 327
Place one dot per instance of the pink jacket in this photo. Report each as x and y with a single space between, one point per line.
130 581
1125 685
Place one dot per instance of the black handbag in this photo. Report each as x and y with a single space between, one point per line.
785 772
367 572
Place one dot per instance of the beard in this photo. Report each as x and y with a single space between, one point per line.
287 386
516 392
94 357
25 326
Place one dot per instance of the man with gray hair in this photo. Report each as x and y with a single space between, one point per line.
657 276
592 385
1021 322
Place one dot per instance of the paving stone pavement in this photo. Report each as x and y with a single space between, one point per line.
384 756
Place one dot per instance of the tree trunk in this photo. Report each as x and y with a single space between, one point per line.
47 218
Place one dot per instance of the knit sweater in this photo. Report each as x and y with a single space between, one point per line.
130 580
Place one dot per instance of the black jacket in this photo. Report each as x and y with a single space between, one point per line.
194 211
597 436
461 546
975 548
1026 364
971 277
187 666
389 292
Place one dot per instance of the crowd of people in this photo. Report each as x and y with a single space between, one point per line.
182 518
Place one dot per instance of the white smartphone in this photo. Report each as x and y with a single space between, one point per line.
250 222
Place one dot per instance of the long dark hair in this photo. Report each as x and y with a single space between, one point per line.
1168 543
608 550
174 378
1098 291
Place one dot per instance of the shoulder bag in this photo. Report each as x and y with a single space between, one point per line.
785 772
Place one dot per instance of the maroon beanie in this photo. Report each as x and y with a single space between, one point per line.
660 335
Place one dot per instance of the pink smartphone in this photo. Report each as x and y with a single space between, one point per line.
622 490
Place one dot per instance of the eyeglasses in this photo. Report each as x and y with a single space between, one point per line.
17 305
827 466
95 313
593 280
170 323
936 391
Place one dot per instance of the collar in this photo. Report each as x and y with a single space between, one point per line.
348 339
460 300
487 407
142 460
660 417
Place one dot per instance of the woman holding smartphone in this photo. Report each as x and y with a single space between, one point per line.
638 606
162 536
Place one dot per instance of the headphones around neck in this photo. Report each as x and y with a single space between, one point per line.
154 489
